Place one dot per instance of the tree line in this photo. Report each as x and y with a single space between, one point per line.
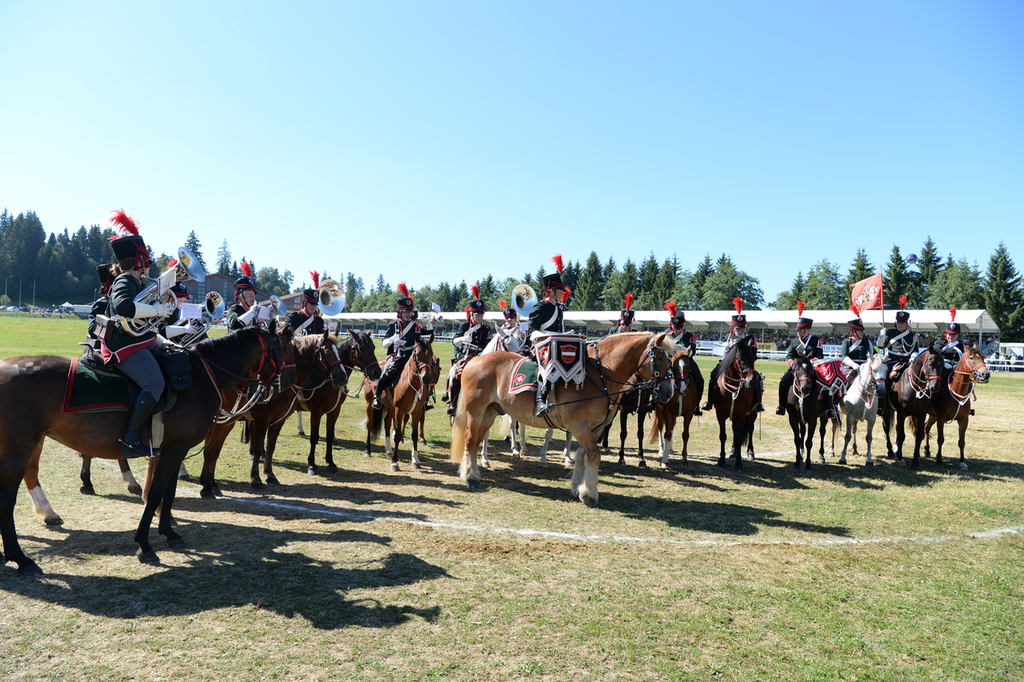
62 266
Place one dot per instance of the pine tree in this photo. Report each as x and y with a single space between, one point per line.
590 285
193 245
896 278
860 269
224 259
1003 297
824 288
787 300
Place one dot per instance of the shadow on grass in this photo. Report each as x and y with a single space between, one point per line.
246 571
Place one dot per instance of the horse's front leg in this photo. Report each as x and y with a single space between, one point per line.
485 463
268 463
417 422
10 479
738 436
469 470
641 415
35 492
809 445
850 421
584 475
721 441
174 541
822 427
962 422
901 435
211 452
917 420
332 421
397 435
314 440
257 436
867 437
622 436
159 480
929 422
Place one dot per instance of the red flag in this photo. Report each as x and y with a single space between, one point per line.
867 293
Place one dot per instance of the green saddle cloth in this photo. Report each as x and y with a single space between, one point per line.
524 377
89 390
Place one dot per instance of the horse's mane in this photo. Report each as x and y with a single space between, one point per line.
229 343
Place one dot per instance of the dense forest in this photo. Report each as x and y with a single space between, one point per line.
61 266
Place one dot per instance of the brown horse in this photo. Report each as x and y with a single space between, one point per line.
953 400
31 408
615 364
803 407
402 401
910 397
687 397
323 364
736 397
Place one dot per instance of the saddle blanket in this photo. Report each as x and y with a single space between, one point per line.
562 357
524 377
88 390
831 374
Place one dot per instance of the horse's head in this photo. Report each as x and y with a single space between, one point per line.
932 367
803 375
657 373
681 363
327 360
973 362
361 353
277 359
744 357
423 362
876 371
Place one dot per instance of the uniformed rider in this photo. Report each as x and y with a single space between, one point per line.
737 331
307 319
954 349
470 338
900 344
131 353
399 341
546 319
684 340
805 343
858 349
243 313
626 315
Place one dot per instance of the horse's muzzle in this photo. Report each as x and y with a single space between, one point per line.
665 391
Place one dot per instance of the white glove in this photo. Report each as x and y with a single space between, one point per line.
458 341
143 310
246 317
850 362
399 342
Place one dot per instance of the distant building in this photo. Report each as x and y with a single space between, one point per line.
225 286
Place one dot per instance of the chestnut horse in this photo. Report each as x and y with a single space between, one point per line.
910 397
687 397
953 400
803 407
401 401
614 365
735 398
323 364
31 408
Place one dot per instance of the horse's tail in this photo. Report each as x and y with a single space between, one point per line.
376 424
652 436
459 431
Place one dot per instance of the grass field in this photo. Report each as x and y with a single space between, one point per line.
843 573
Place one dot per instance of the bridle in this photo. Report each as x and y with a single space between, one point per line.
972 374
272 359
923 390
637 382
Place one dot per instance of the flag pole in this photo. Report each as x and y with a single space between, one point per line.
882 290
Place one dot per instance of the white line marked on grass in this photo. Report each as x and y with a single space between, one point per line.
529 532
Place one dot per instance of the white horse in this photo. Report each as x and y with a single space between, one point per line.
861 404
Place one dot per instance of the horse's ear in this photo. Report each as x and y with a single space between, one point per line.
273 326
355 337
327 334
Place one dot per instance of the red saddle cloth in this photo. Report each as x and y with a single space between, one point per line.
830 374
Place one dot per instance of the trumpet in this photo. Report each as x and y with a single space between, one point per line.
188 267
213 310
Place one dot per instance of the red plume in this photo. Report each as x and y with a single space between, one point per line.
246 269
504 306
566 294
671 308
171 263
475 290
316 278
952 314
800 308
903 302
738 302
125 224
403 290
557 260
629 300
856 309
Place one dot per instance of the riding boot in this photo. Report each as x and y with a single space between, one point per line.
376 404
131 444
784 384
712 385
453 400
542 401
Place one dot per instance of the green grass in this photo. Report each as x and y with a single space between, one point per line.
695 573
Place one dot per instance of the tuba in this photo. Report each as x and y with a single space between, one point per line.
187 267
332 299
523 299
213 309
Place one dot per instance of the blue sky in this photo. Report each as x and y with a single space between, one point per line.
442 141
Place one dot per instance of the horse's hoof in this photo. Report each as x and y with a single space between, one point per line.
149 557
135 489
272 480
53 521
869 464
642 464
901 462
473 483
312 471
963 466
423 443
87 490
301 433
394 467
416 466
207 494
176 543
821 460
589 501
366 453
29 570
332 468
256 484
184 476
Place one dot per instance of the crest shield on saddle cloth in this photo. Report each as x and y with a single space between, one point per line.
831 375
562 357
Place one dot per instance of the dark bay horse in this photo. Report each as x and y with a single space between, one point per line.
803 407
31 408
614 364
687 397
323 364
952 402
736 398
402 401
910 397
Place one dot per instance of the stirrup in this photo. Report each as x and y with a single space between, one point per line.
696 411
759 408
427 406
376 404
707 406
137 449
781 411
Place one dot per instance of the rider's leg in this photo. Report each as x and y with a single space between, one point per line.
142 368
784 386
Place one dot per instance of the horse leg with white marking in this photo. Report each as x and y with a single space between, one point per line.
301 432
40 504
567 456
584 474
484 462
